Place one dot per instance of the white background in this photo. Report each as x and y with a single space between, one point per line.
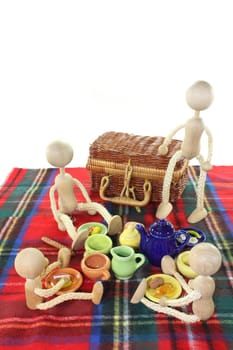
72 70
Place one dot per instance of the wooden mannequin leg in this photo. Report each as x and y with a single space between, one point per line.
66 220
201 189
189 318
89 206
165 206
78 239
200 212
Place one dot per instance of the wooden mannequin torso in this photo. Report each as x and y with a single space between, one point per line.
32 299
193 132
204 307
66 198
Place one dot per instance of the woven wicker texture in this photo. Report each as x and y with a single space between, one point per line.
110 153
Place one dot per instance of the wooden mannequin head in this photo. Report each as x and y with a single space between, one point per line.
199 96
59 153
30 263
205 259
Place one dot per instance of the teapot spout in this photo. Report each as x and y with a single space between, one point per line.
143 234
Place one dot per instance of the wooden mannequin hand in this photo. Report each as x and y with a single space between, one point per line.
163 149
57 217
163 301
206 166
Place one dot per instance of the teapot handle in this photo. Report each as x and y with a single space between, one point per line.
185 242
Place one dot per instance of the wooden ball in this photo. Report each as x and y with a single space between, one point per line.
30 262
59 153
199 96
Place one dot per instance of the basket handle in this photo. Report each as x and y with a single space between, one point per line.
147 187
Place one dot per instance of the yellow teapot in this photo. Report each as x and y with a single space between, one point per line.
130 236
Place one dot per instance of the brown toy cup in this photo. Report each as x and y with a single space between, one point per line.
96 266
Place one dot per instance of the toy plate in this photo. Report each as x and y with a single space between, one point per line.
95 228
53 277
173 291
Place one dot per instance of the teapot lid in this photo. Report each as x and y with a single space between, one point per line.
161 229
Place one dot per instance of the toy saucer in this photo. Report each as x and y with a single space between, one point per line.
170 289
196 236
76 279
94 228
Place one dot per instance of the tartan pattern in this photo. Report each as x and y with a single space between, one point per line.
25 216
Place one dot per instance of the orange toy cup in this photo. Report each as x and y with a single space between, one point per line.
96 266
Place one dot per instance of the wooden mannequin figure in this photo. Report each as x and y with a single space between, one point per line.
205 259
60 154
199 97
31 270
30 263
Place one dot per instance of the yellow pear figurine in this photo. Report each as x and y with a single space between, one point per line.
130 236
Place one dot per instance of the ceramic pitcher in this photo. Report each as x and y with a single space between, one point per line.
125 261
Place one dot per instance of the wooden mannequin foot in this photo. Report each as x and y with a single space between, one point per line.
115 225
197 215
140 291
78 241
163 210
91 212
64 256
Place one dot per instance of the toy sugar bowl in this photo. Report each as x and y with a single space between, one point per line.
161 240
130 236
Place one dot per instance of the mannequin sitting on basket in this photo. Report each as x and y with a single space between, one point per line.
199 97
59 154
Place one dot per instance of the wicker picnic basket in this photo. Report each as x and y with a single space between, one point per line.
127 169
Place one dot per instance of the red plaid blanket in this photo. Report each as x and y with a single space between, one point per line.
25 217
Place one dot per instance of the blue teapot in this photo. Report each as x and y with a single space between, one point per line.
161 240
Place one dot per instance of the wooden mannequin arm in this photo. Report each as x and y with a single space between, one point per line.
210 144
53 201
187 299
163 149
53 290
206 164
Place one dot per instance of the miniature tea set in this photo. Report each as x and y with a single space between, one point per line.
181 254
